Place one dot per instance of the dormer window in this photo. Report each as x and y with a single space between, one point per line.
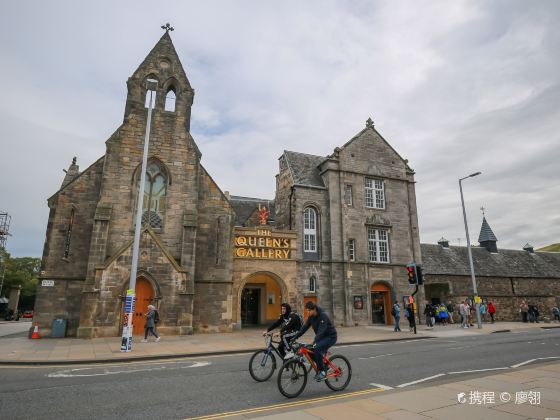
170 101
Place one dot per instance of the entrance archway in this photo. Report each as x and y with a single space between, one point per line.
259 299
381 304
144 297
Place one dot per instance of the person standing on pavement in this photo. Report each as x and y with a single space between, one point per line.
150 324
450 310
396 312
409 314
463 312
524 309
483 311
556 313
491 311
536 313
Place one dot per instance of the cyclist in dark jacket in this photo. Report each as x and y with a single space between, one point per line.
289 323
325 335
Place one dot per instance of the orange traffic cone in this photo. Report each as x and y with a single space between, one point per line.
35 331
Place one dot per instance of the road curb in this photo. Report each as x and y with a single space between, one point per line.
177 356
500 331
550 327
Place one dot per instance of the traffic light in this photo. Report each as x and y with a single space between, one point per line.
419 275
411 273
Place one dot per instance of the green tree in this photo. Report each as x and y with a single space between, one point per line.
22 271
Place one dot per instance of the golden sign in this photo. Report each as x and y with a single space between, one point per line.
262 245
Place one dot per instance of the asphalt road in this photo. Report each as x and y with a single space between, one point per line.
194 387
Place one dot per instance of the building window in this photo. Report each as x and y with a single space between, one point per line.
375 193
348 199
170 101
351 249
378 245
69 234
309 230
312 284
155 191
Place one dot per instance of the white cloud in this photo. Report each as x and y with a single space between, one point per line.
455 87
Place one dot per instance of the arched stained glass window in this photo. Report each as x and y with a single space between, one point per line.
170 101
155 191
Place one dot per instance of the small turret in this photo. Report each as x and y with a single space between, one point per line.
487 239
72 172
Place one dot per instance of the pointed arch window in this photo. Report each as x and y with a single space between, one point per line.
312 284
170 100
155 194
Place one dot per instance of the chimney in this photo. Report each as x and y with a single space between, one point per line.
444 243
226 193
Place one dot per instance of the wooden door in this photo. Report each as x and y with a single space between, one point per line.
144 297
305 300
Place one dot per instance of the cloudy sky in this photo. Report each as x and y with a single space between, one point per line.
455 86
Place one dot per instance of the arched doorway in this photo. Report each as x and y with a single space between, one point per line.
381 304
260 298
144 297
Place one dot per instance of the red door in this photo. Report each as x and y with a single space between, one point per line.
144 297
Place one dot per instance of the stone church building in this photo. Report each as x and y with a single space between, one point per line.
339 230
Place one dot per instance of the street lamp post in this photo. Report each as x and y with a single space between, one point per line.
477 304
126 342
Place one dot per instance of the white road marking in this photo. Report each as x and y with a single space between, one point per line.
374 357
477 370
385 387
526 362
420 380
69 373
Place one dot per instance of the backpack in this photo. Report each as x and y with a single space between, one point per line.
393 312
300 320
156 317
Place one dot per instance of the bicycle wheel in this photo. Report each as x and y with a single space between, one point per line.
292 378
340 381
262 365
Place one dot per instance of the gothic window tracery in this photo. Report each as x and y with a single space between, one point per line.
155 192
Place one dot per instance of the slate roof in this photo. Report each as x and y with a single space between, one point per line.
245 206
486 233
304 168
454 260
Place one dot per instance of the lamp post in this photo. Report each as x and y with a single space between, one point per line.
477 304
126 342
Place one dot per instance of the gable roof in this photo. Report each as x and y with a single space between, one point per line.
454 260
305 168
244 208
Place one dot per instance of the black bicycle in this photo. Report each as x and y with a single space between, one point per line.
263 363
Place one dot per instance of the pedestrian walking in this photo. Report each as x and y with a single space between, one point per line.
409 314
491 311
151 317
450 311
524 309
556 313
470 306
428 314
443 315
396 312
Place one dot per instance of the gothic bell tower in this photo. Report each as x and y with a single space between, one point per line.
174 94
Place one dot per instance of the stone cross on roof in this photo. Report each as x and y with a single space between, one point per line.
369 122
167 27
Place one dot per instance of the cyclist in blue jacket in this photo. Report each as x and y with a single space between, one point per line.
325 335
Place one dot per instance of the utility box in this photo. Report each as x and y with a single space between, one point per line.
58 329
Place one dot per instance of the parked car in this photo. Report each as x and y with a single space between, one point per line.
27 314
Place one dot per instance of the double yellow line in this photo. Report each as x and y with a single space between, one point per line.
285 405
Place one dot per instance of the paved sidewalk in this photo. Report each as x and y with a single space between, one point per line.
538 387
70 350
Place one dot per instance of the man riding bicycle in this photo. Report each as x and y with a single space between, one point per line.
325 336
289 323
